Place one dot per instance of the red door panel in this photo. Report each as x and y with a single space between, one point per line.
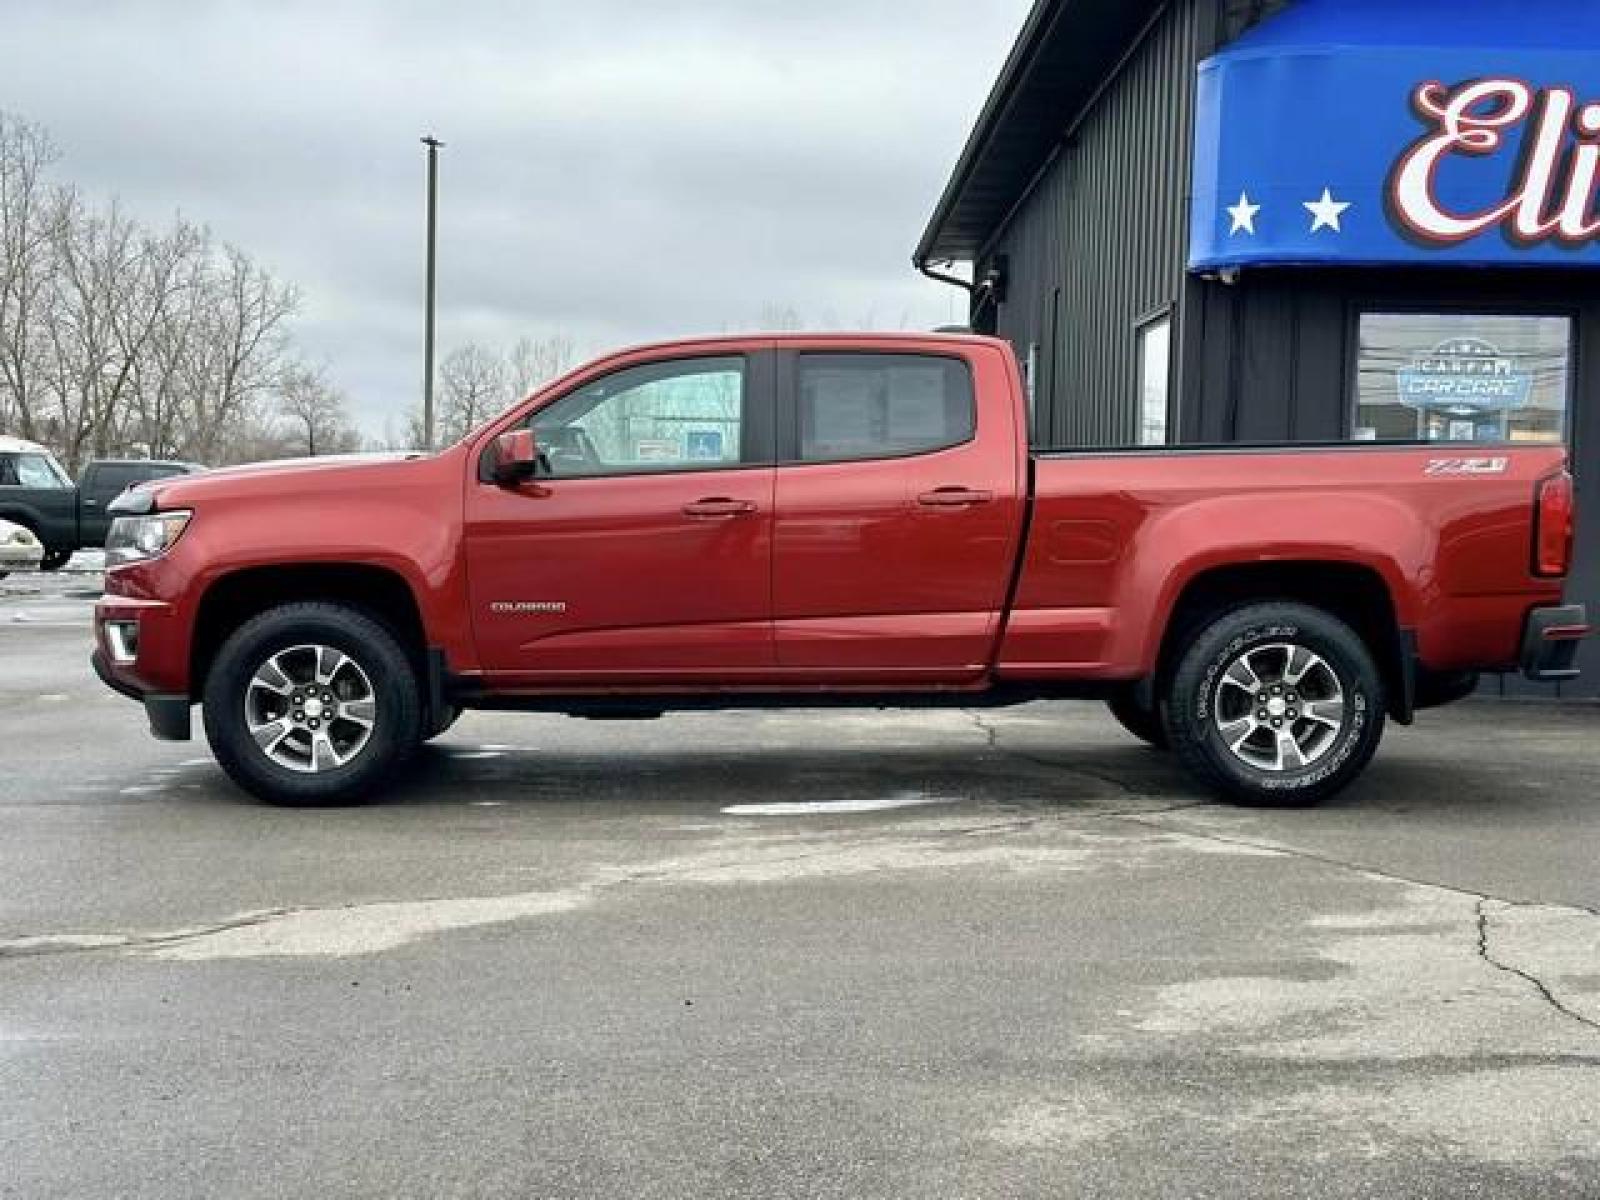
650 578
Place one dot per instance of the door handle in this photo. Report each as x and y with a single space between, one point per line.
719 506
954 497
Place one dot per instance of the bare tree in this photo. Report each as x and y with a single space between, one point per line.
163 422
316 412
243 346
533 362
472 388
31 213
477 382
114 337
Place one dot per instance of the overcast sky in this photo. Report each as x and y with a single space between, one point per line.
619 170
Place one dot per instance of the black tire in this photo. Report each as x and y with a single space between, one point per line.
1144 723
54 560
396 729
1203 697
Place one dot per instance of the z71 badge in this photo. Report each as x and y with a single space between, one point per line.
1468 466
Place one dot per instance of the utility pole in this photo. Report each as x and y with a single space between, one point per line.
434 145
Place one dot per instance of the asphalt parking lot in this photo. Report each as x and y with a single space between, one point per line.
809 955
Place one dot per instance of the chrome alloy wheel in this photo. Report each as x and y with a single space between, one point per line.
310 708
1279 708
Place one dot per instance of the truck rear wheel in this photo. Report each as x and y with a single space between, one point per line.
1276 704
54 560
1144 723
312 704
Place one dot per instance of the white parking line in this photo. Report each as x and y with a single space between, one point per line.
808 808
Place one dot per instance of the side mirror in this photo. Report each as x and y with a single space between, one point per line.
516 457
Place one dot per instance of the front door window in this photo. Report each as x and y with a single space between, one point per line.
673 416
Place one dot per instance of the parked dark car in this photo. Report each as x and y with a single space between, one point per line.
37 493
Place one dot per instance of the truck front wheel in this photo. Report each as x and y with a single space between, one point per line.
1276 704
312 704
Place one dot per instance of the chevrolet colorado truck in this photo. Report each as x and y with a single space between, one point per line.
810 521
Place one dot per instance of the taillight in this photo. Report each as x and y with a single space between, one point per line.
1553 527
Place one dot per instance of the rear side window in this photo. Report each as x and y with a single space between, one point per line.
857 406
112 480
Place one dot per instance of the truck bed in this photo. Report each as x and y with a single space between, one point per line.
1117 538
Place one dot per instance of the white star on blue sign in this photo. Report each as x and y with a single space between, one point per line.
1327 213
1244 216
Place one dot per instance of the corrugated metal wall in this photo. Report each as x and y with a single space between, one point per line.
1100 243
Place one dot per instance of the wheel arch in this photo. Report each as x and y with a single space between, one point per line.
232 599
1355 593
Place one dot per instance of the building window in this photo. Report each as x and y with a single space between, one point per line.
1155 380
1456 377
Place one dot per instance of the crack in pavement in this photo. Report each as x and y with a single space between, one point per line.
1483 899
1138 817
1538 984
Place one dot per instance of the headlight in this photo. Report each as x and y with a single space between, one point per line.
135 539
23 538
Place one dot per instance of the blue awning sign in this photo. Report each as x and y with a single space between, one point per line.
1367 133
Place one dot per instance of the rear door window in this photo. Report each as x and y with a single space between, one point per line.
109 481
867 406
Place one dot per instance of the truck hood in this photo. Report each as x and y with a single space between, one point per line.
283 475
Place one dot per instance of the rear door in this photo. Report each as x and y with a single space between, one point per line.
643 554
900 503
101 484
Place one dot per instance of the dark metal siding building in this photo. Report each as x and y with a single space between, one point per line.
1072 203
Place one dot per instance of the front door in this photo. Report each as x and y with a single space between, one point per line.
642 553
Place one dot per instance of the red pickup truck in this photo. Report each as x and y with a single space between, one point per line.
808 521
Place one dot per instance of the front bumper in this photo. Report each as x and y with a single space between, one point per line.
168 714
1551 640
